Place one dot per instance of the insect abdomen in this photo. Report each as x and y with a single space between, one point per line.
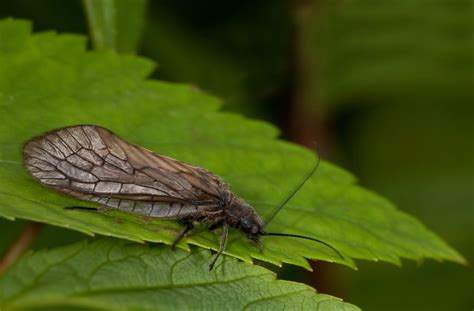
149 208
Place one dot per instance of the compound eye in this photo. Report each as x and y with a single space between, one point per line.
245 224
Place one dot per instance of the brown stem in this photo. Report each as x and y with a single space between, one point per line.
20 245
308 122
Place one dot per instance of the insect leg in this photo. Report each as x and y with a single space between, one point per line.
216 225
181 235
225 231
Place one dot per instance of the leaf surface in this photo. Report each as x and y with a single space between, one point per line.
118 275
49 81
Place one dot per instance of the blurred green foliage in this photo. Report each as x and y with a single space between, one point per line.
393 81
400 77
116 24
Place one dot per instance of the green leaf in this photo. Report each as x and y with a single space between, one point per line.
111 274
116 24
49 81
386 53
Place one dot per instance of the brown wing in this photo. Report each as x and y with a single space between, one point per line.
92 163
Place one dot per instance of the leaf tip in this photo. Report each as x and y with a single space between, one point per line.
461 260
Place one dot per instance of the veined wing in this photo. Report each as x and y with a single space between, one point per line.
92 163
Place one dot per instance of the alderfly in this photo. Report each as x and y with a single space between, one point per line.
93 164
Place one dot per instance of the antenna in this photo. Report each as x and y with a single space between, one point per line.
306 238
292 194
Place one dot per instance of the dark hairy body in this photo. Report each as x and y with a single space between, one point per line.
93 164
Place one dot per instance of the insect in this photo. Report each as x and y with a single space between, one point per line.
91 163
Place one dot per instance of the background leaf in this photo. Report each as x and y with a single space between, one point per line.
49 81
115 24
116 275
404 56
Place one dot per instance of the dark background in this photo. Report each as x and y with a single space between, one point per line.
384 87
